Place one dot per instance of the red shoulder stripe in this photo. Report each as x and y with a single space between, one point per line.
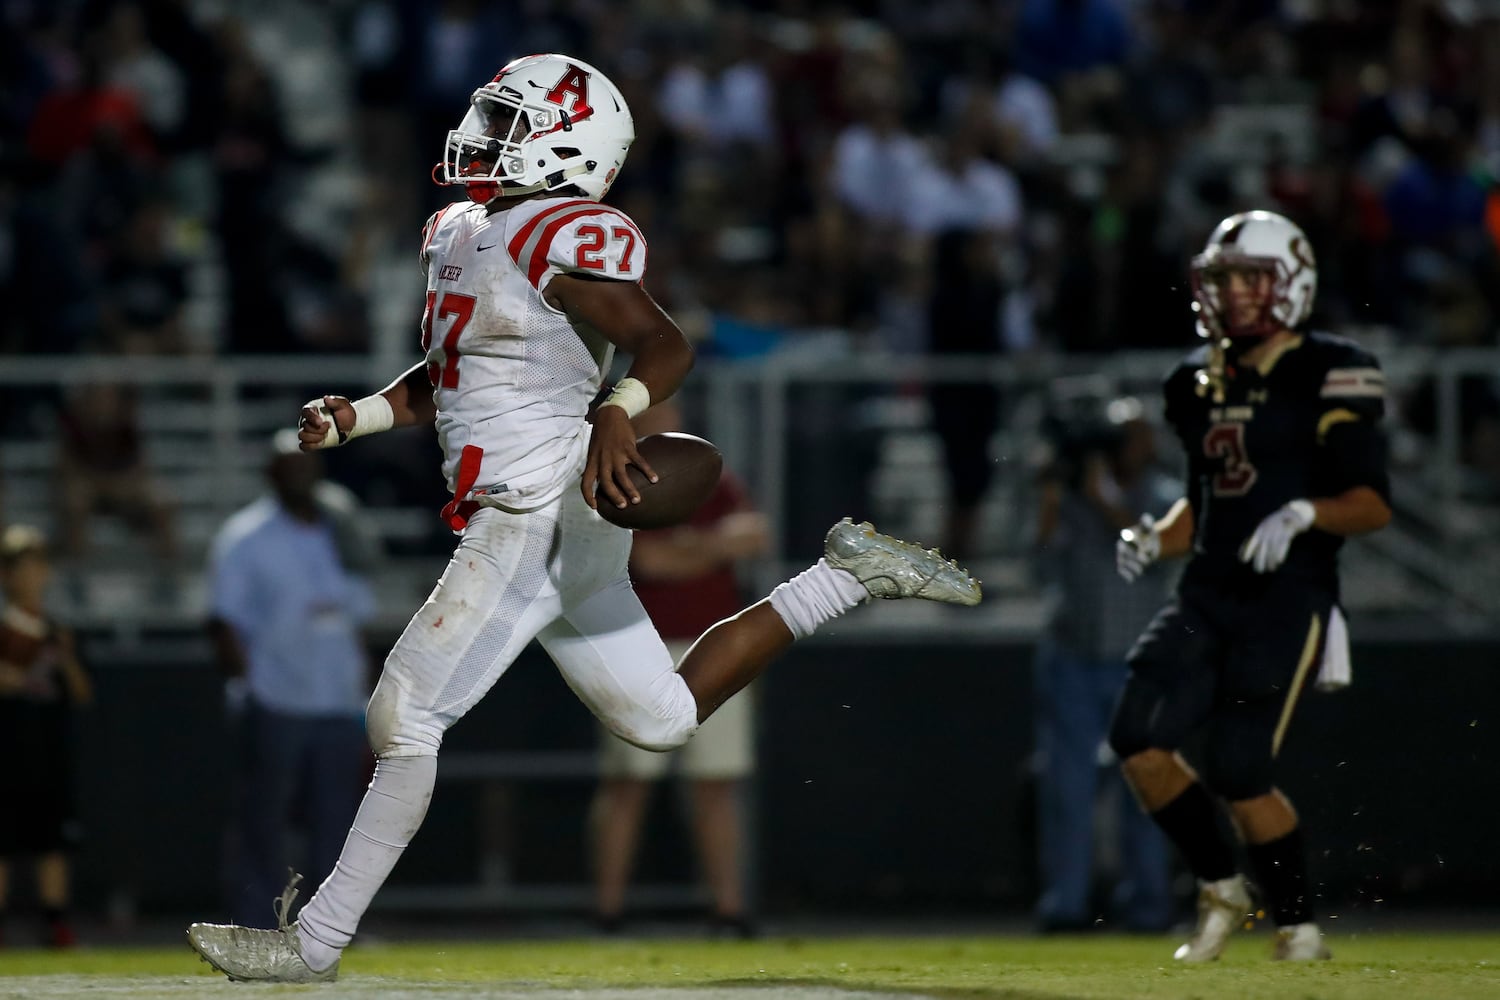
538 264
432 225
518 242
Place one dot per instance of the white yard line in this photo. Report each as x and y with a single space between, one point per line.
179 988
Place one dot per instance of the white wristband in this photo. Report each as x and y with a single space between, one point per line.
372 415
630 395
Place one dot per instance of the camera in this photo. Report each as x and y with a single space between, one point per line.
1078 427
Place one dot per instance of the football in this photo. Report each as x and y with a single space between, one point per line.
687 470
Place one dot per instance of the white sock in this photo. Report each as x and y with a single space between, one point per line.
393 808
816 595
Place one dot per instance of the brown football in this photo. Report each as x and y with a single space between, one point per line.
687 470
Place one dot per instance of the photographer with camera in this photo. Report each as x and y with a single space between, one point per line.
1104 470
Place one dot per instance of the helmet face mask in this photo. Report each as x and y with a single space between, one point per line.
545 122
1234 295
487 145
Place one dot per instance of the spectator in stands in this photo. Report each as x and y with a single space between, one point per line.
1399 95
1167 89
286 617
876 156
964 318
1022 110
85 106
250 153
41 684
685 579
138 68
1103 470
725 100
958 188
145 288
101 469
1076 47
1437 200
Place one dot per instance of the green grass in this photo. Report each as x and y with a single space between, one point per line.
1368 967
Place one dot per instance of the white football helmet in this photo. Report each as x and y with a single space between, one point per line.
544 122
1254 241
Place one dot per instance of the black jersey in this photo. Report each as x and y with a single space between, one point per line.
1303 424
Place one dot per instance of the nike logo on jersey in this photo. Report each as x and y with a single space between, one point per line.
479 249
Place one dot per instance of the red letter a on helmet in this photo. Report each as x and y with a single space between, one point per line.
575 82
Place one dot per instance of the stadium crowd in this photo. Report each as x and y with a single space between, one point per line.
180 177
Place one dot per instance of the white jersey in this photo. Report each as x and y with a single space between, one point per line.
513 377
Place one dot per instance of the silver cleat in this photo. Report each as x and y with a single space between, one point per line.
254 955
892 569
1223 906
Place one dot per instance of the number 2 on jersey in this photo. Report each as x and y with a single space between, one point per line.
1227 441
461 308
591 247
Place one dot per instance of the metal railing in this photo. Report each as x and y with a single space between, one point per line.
754 410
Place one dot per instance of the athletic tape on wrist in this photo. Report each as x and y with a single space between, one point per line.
630 395
331 436
372 415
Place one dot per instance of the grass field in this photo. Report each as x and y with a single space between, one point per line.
1368 967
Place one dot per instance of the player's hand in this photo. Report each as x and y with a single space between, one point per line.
1267 548
611 451
325 423
1138 547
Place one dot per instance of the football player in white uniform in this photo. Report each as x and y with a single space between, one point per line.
531 285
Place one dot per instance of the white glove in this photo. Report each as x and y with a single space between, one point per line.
1137 549
1267 548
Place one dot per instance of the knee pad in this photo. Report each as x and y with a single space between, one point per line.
394 729
654 732
663 719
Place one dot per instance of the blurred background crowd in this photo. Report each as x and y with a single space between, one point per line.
213 178
190 189
194 176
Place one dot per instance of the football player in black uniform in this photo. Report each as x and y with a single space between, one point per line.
1285 460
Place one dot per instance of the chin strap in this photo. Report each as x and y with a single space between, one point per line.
485 190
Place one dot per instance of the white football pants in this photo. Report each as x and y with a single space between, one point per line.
557 575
